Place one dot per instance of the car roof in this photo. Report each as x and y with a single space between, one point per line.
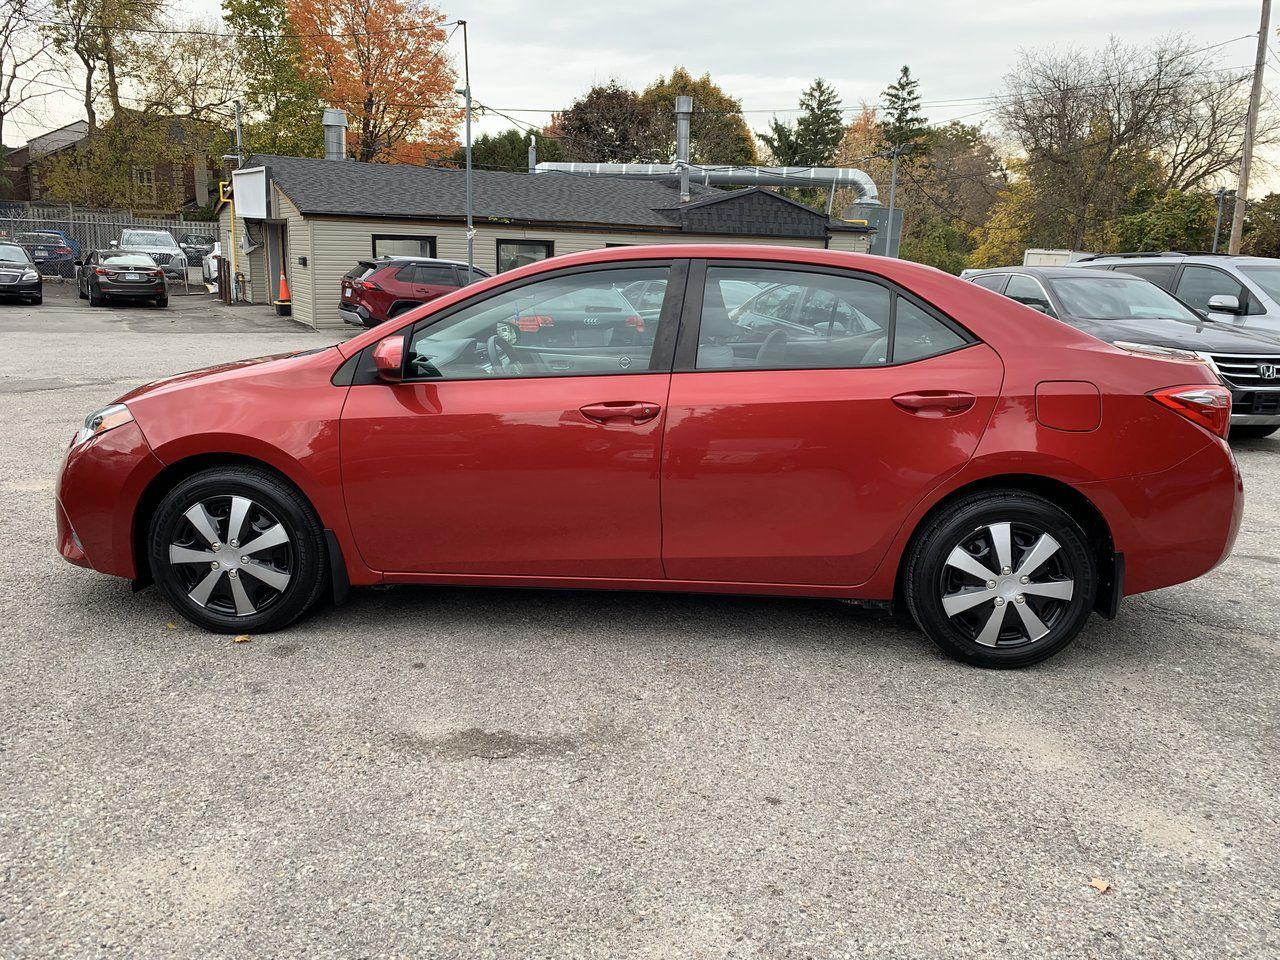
1176 256
1040 273
383 261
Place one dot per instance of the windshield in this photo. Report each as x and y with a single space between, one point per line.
9 252
146 238
1118 298
1268 278
39 238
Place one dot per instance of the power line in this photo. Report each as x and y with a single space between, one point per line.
173 32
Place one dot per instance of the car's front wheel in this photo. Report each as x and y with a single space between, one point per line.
237 550
1001 578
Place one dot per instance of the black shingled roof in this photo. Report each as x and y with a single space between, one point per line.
394 191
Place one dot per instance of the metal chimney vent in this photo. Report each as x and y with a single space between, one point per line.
335 134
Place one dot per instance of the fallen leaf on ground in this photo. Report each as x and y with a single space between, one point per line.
1102 886
172 626
242 638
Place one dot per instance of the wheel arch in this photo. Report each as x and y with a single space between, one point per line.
173 474
1081 509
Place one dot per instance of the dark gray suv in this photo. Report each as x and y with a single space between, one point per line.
1131 312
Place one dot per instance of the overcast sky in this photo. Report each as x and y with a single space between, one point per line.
540 54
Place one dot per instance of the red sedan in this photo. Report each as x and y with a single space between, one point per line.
875 431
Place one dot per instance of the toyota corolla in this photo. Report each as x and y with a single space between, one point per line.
893 435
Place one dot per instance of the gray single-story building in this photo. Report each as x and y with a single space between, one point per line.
314 219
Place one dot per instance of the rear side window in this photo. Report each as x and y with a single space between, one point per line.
435 275
1026 290
993 282
799 320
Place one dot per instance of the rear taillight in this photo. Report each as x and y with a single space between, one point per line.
637 322
99 271
1204 404
62 250
368 285
534 324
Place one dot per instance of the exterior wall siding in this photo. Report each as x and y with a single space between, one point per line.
332 245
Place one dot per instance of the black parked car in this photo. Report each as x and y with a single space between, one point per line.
1131 312
106 275
19 276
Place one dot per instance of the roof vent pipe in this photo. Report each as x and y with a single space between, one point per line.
684 108
335 134
533 153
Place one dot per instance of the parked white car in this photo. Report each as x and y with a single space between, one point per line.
209 266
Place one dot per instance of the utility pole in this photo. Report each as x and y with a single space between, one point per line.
466 91
1246 156
239 139
1217 222
893 190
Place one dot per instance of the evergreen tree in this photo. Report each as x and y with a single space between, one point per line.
903 125
813 139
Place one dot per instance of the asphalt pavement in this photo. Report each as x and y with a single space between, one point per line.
509 774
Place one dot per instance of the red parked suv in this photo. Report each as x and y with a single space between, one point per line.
374 291
900 436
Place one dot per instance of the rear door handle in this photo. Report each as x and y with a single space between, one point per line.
935 403
636 411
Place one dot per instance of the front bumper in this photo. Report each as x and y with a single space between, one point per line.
1255 407
97 493
22 288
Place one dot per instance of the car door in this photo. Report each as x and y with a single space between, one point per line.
431 280
499 456
793 457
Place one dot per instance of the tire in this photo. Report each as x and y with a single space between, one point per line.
162 301
1251 432
80 293
1051 611
36 301
96 299
290 568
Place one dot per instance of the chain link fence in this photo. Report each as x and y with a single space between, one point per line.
56 237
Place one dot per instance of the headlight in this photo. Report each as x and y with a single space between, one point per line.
1159 353
30 275
100 421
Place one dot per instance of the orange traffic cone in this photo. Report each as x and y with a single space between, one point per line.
284 304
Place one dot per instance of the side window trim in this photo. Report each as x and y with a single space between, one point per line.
663 346
686 354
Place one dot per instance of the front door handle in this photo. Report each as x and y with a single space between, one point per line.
634 410
935 403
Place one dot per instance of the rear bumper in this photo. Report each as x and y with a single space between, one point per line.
97 493
356 316
1177 524
157 288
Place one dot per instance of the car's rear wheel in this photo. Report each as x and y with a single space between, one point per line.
1251 432
1001 578
162 301
96 297
237 550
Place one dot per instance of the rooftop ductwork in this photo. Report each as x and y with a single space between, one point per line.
824 178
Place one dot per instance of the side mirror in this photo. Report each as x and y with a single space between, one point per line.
388 359
1224 303
79 263
115 243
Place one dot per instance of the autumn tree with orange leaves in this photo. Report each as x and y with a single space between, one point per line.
385 63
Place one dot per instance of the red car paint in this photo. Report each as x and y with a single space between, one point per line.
794 482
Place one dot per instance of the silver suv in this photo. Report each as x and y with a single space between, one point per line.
164 250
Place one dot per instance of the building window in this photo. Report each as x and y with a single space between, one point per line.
393 245
518 253
144 183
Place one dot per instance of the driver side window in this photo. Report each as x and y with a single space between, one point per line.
576 325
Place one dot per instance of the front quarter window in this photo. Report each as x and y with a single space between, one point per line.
575 325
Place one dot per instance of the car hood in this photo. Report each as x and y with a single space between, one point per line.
1209 336
14 264
205 374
